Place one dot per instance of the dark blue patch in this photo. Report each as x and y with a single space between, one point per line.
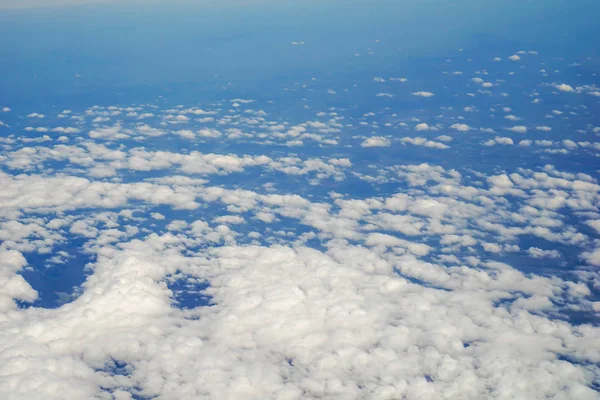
188 292
57 283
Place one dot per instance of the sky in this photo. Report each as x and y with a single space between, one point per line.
326 200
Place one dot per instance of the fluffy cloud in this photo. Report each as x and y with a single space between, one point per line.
376 141
460 127
563 87
423 94
518 129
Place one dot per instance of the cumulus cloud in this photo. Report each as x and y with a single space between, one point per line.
563 87
419 141
376 141
460 127
422 127
423 94
518 129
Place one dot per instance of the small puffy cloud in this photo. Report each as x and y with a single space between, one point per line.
185 133
5 109
592 257
209 133
518 129
422 127
514 57
376 141
98 120
229 219
536 252
500 183
595 223
504 140
460 127
563 87
511 117
422 94
444 138
62 129
36 115
419 141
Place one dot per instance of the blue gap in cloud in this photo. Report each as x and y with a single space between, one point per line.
188 291
57 283
120 368
419 282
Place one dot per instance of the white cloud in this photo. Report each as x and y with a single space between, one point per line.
594 224
512 118
460 127
419 141
36 115
563 87
376 141
518 129
536 252
423 94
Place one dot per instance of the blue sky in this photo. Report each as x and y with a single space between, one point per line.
390 199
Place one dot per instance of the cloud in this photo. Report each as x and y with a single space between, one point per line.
423 94
563 87
36 115
461 127
498 140
419 141
376 141
518 129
